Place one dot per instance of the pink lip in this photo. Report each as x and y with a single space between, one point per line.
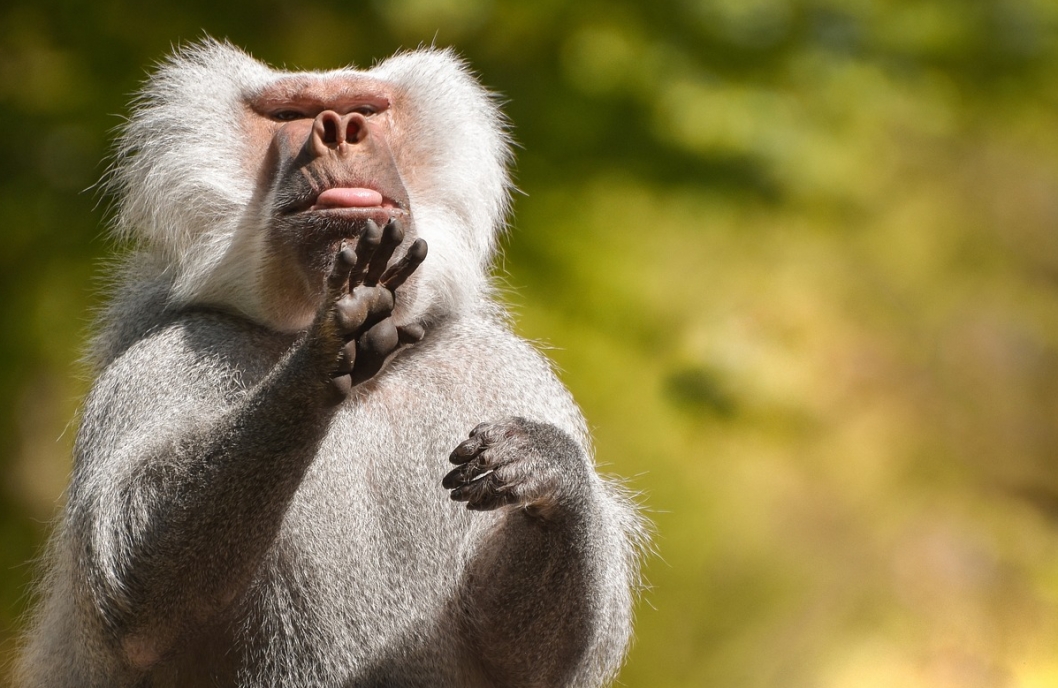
349 198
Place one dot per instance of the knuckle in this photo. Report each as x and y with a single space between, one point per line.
342 385
381 299
350 312
382 337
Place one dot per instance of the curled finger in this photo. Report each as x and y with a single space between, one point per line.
462 475
410 333
340 387
466 451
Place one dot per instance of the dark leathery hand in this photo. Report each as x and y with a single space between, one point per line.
514 462
362 288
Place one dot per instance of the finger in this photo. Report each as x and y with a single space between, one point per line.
372 349
380 340
351 313
379 306
479 428
462 475
341 386
410 333
467 450
365 248
470 490
493 499
482 493
397 273
392 235
343 265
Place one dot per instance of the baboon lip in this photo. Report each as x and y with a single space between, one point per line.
379 213
349 197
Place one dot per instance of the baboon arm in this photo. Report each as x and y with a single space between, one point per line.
548 592
181 486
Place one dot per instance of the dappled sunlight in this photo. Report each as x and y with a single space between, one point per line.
797 260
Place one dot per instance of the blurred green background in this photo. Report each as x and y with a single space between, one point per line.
797 259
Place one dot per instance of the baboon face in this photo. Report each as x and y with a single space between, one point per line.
323 153
241 182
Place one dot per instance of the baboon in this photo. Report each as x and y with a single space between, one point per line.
314 454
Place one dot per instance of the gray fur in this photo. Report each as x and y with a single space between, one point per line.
227 527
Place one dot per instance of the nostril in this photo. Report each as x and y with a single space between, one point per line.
330 131
355 128
328 134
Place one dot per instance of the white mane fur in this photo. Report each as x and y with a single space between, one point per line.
184 197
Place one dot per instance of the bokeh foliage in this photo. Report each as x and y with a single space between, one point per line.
798 260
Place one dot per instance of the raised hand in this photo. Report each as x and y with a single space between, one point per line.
361 294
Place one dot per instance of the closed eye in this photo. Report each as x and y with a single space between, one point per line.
287 115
